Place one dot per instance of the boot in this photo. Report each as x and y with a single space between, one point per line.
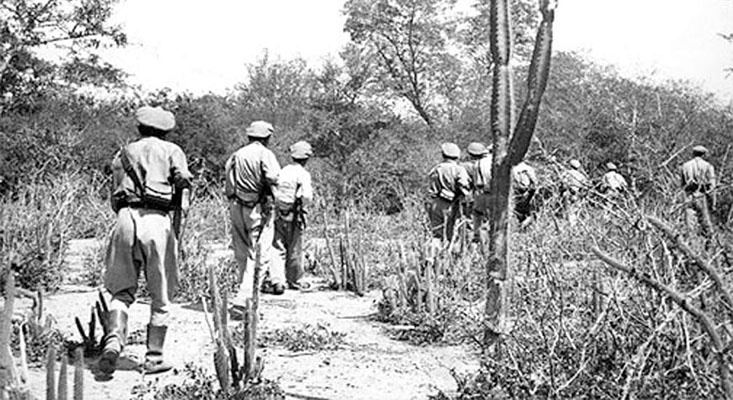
154 362
114 341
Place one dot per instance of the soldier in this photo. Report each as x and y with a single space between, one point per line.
293 193
146 176
251 173
574 181
697 178
524 186
612 183
479 177
448 183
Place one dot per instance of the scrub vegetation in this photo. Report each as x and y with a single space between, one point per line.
622 304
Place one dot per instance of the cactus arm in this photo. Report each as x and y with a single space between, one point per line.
539 71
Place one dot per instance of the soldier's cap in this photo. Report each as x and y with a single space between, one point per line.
260 129
699 149
450 150
155 117
575 163
611 166
477 149
301 150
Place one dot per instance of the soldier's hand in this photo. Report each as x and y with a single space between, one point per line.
185 199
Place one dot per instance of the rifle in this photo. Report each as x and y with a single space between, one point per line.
180 203
298 211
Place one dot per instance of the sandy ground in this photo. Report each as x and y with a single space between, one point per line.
369 364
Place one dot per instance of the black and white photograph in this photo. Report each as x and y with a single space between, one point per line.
366 199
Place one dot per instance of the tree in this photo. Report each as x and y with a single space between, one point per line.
407 42
28 25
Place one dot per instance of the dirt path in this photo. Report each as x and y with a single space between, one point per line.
368 365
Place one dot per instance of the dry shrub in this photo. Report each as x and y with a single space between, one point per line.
579 330
306 337
37 222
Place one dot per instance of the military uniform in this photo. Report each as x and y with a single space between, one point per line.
697 178
612 183
574 182
143 238
250 173
480 179
293 193
524 185
448 182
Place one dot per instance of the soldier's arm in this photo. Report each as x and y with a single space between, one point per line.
180 174
532 177
117 174
306 190
463 181
270 168
228 178
713 192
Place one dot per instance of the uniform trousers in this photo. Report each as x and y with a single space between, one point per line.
142 239
697 209
442 215
287 247
252 227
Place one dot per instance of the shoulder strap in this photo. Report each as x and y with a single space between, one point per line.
130 171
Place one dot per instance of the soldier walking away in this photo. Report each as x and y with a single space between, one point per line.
147 175
524 186
448 183
697 179
251 172
613 184
479 179
574 183
293 193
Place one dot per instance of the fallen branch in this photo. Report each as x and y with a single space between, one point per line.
698 261
703 320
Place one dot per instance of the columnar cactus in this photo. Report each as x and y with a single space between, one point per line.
509 149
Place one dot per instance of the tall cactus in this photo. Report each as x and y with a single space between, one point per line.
509 150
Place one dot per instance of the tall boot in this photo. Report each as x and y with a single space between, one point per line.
154 362
114 341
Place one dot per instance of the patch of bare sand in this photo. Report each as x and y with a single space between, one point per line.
369 365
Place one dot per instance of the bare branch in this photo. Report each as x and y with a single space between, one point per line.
698 261
682 302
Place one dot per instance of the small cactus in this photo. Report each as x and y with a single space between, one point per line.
50 374
63 391
79 374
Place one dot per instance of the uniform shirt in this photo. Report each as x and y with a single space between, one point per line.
447 180
160 165
523 176
469 166
248 170
697 175
614 181
481 174
574 180
294 182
